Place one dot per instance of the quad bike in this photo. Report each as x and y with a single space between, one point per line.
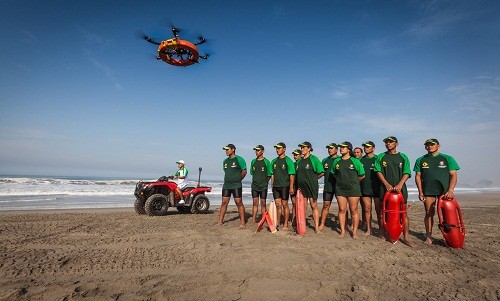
154 198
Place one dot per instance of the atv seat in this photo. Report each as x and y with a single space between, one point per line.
188 188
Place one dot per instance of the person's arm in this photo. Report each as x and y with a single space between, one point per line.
403 180
292 184
453 182
243 173
384 182
418 182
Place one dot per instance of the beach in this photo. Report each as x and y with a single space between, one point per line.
116 254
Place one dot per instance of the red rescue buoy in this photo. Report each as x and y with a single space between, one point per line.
451 223
393 215
300 213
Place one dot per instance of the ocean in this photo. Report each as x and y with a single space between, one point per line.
43 193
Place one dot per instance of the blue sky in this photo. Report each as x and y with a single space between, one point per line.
80 95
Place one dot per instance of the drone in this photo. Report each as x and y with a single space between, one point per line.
176 51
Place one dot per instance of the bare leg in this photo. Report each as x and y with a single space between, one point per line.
378 210
278 211
324 213
241 211
314 207
406 231
342 202
430 210
353 209
255 209
223 209
262 207
366 204
286 212
294 200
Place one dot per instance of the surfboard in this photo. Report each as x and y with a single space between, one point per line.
393 215
300 213
272 213
451 222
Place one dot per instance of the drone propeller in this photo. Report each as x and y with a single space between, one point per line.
141 35
201 40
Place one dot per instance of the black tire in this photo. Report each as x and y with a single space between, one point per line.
139 206
200 204
184 209
156 205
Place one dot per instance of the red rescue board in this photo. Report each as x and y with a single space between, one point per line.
300 213
393 215
451 222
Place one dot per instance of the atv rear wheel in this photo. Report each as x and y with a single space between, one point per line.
200 204
139 206
156 205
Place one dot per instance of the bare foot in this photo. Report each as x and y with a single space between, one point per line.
355 236
408 243
284 228
317 231
342 234
428 241
367 233
321 227
242 226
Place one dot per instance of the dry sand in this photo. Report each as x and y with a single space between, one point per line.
119 255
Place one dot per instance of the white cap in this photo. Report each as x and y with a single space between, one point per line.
180 162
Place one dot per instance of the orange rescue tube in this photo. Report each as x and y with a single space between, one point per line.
451 222
300 213
393 215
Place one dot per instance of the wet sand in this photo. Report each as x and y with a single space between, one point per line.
119 255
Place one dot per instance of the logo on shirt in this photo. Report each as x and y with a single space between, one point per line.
262 169
372 167
325 165
400 164
351 167
283 166
233 165
308 166
425 165
384 164
337 166
442 164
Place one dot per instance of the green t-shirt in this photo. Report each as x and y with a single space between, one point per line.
232 172
282 168
348 172
261 171
329 184
308 170
370 185
435 173
393 167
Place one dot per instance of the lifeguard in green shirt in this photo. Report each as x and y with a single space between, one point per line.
309 170
393 170
348 171
435 176
329 184
261 172
283 180
235 169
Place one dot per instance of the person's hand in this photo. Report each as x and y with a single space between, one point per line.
397 188
389 187
421 197
449 195
292 190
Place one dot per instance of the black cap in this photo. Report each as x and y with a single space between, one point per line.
431 141
368 143
297 152
332 145
259 147
306 143
229 146
346 144
391 138
280 145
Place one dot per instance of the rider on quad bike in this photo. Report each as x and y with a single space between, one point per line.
154 198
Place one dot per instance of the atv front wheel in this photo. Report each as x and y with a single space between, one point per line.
156 205
200 204
139 206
